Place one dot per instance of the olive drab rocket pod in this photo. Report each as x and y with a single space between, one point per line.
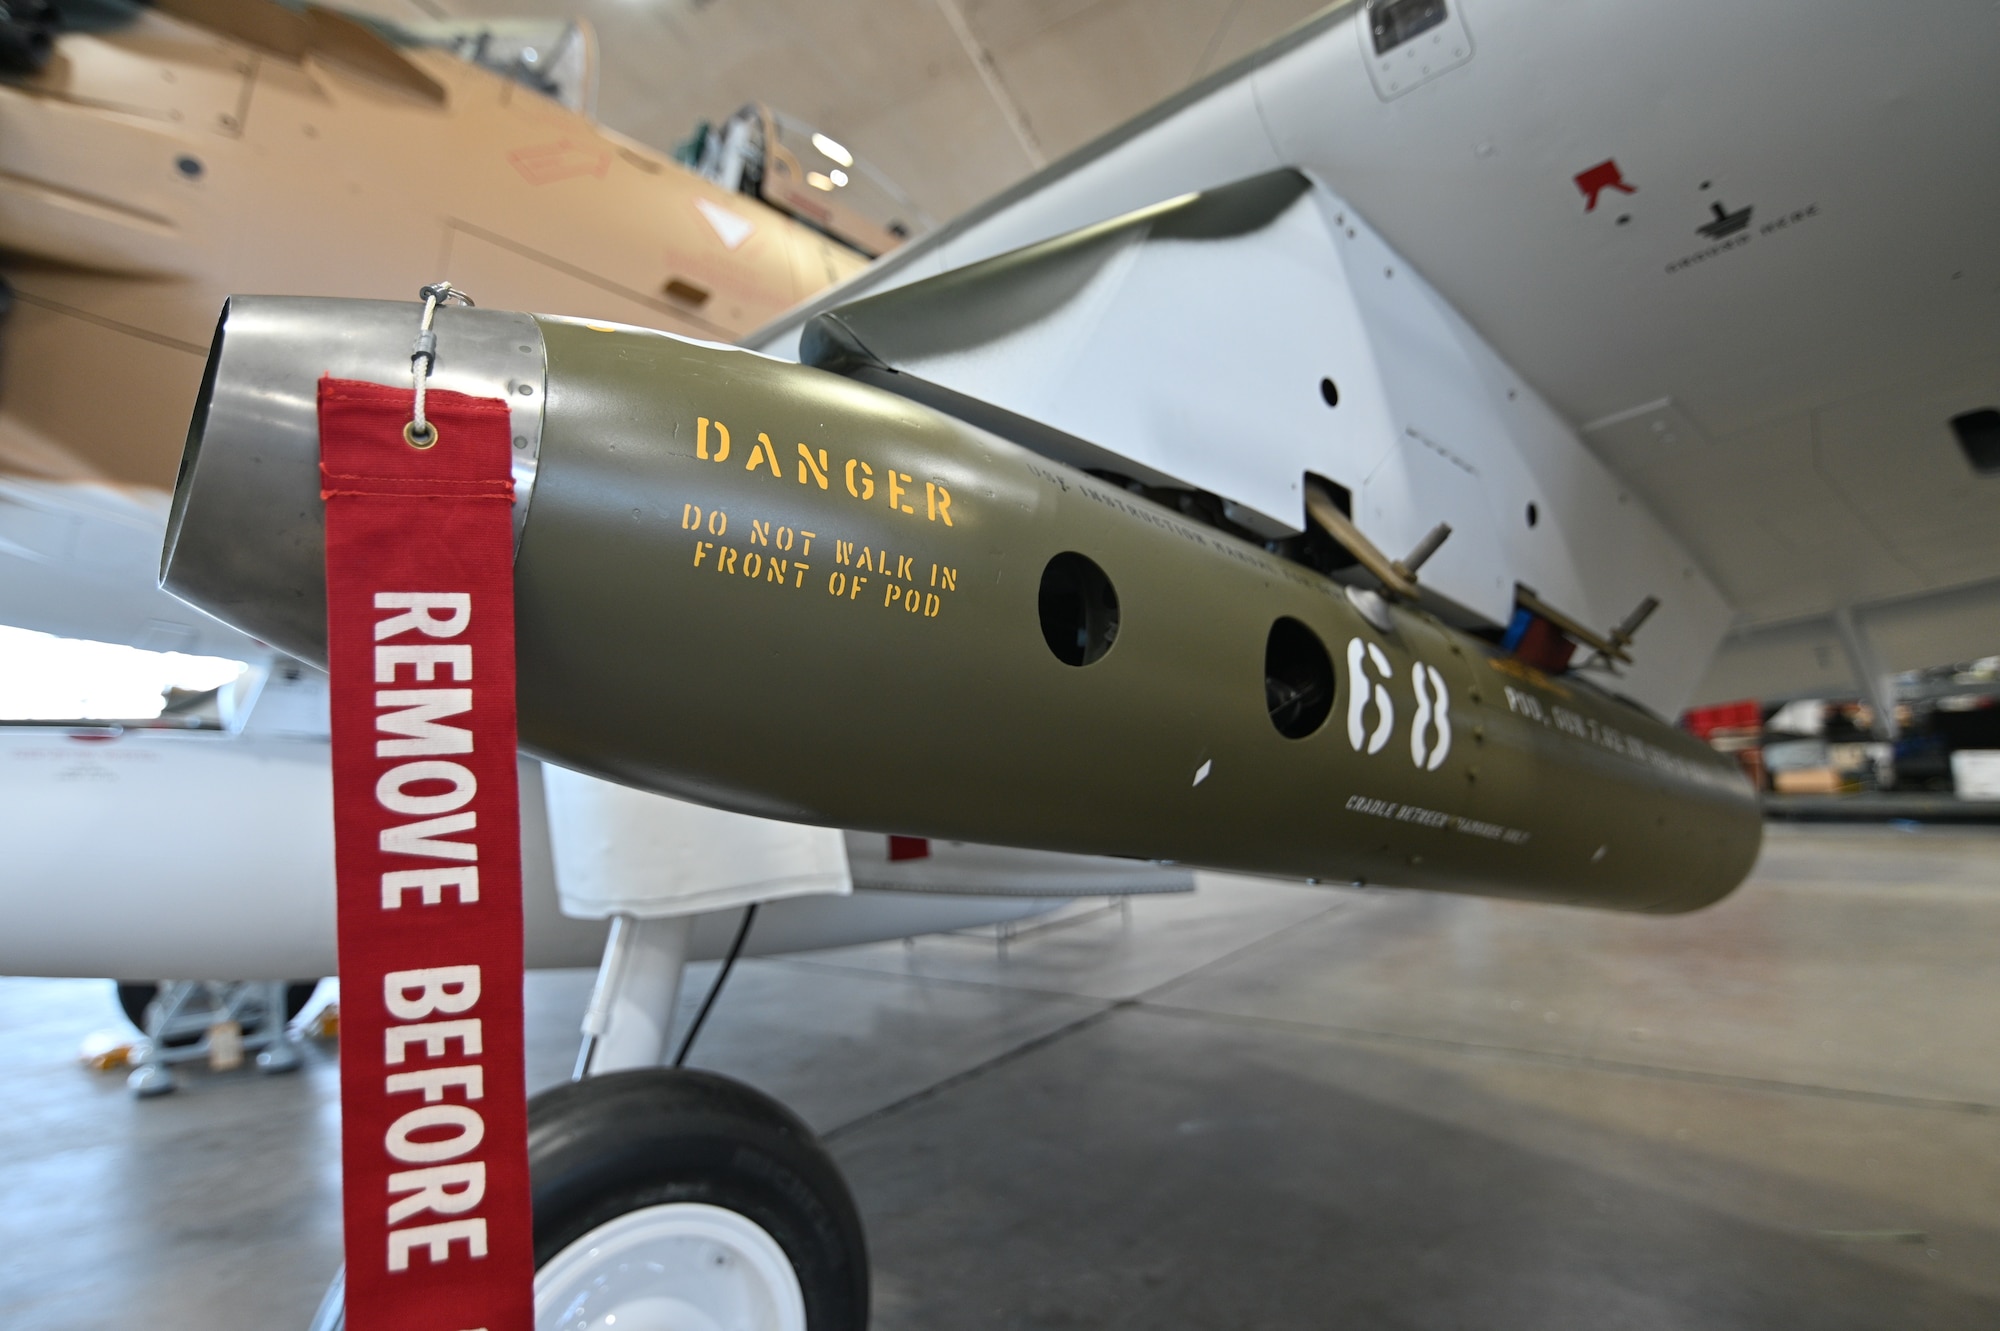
774 589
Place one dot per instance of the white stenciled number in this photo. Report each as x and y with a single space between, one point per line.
1433 713
1362 691
1369 673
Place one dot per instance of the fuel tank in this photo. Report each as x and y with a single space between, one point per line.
772 589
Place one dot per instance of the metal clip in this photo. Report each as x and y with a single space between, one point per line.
420 433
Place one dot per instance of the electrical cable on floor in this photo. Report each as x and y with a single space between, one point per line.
721 978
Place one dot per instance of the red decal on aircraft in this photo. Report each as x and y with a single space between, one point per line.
1605 175
909 848
546 163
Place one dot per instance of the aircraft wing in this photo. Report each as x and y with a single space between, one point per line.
1740 257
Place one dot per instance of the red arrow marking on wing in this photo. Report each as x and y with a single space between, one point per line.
1605 175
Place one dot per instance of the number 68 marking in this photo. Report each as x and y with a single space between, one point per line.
1430 727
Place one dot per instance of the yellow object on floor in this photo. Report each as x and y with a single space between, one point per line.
108 1051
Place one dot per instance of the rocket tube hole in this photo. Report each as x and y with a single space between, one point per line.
1078 608
1298 679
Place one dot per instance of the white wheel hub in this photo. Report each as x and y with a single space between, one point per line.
679 1267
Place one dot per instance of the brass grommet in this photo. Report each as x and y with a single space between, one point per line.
415 440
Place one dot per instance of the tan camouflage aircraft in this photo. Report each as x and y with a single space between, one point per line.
155 159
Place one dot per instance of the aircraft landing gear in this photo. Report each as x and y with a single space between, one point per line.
672 1198
218 1020
667 1198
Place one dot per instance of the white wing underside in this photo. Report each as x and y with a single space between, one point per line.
1755 432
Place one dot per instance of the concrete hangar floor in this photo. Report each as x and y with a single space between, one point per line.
1259 1106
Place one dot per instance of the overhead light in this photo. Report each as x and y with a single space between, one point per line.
833 150
838 176
818 181
46 678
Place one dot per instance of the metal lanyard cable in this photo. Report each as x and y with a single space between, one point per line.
420 433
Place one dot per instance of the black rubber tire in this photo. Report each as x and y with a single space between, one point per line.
298 993
133 995
626 1140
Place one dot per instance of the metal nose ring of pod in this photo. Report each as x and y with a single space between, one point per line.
773 589
247 531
